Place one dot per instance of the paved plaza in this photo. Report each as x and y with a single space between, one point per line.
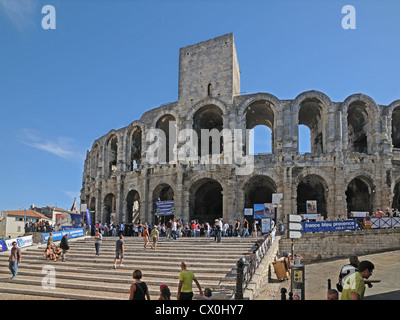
387 269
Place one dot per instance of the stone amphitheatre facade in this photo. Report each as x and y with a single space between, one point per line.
354 163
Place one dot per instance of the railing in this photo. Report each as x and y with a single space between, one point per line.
247 266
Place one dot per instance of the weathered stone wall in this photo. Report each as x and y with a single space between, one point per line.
353 164
343 244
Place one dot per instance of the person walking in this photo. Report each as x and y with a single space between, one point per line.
14 259
354 285
138 290
155 236
146 237
97 242
186 278
64 246
119 251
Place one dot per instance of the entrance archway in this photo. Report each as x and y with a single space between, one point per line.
109 208
311 187
206 201
358 196
132 206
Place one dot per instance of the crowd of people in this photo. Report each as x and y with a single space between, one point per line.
176 228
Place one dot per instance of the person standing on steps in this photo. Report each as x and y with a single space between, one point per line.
146 237
138 290
64 246
155 237
119 251
97 242
186 278
14 259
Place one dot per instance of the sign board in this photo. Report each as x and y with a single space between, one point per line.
265 225
295 218
276 198
248 211
295 226
164 208
294 234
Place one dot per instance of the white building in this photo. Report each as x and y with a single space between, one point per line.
12 222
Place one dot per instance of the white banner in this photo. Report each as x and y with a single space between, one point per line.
21 242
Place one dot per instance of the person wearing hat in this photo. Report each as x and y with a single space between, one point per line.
165 293
155 237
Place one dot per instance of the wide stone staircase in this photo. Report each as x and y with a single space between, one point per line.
86 276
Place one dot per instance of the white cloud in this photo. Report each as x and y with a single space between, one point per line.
63 147
21 12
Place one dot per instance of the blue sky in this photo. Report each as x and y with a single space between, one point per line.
108 61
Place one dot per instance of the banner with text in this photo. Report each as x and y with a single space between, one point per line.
73 233
324 226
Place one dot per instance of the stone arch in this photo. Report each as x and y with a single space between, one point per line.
362 116
167 123
133 205
208 123
111 154
360 194
394 123
92 208
109 208
311 109
312 187
258 189
134 142
205 200
205 102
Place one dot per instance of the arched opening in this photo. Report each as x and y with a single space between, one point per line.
109 209
133 206
163 192
209 89
358 196
304 139
357 122
259 190
260 119
92 208
167 123
208 124
311 188
261 139
135 149
206 201
112 154
311 114
396 127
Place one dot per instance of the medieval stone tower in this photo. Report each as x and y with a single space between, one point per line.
353 164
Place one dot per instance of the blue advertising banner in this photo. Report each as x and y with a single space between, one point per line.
164 208
73 233
323 226
3 246
88 218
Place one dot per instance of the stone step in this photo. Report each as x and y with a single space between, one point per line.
86 276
